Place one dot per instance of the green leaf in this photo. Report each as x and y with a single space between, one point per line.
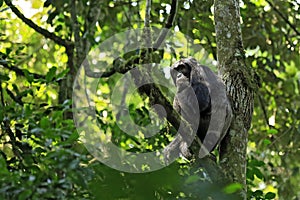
270 195
250 174
24 195
256 163
51 74
8 50
258 173
267 142
3 168
4 77
272 131
44 122
257 193
28 75
232 188
1 114
58 28
1 3
25 93
62 74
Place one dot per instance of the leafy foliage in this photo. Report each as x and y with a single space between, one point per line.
41 156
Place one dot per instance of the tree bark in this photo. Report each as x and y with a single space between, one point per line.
77 53
239 85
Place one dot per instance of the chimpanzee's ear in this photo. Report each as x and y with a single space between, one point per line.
195 74
173 73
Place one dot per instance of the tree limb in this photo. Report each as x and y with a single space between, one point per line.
76 30
123 66
90 22
283 17
20 71
147 29
42 31
168 25
147 14
173 12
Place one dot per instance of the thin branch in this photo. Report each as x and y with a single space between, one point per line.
13 42
126 15
6 127
147 30
90 73
281 136
90 22
16 98
147 39
20 71
168 25
283 17
11 135
76 30
42 31
213 51
75 22
119 65
147 14
29 56
83 43
1 95
123 66
262 104
172 15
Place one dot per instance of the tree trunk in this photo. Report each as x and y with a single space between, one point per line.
239 84
77 53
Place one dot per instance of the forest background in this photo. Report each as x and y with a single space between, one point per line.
42 156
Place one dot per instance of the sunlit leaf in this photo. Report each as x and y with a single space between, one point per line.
36 4
272 131
232 188
267 142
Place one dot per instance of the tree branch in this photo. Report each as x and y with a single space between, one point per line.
147 29
213 51
1 95
76 29
283 17
147 14
119 65
168 25
265 114
173 12
20 71
122 66
42 31
90 22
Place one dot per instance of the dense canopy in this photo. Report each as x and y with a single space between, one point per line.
41 154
